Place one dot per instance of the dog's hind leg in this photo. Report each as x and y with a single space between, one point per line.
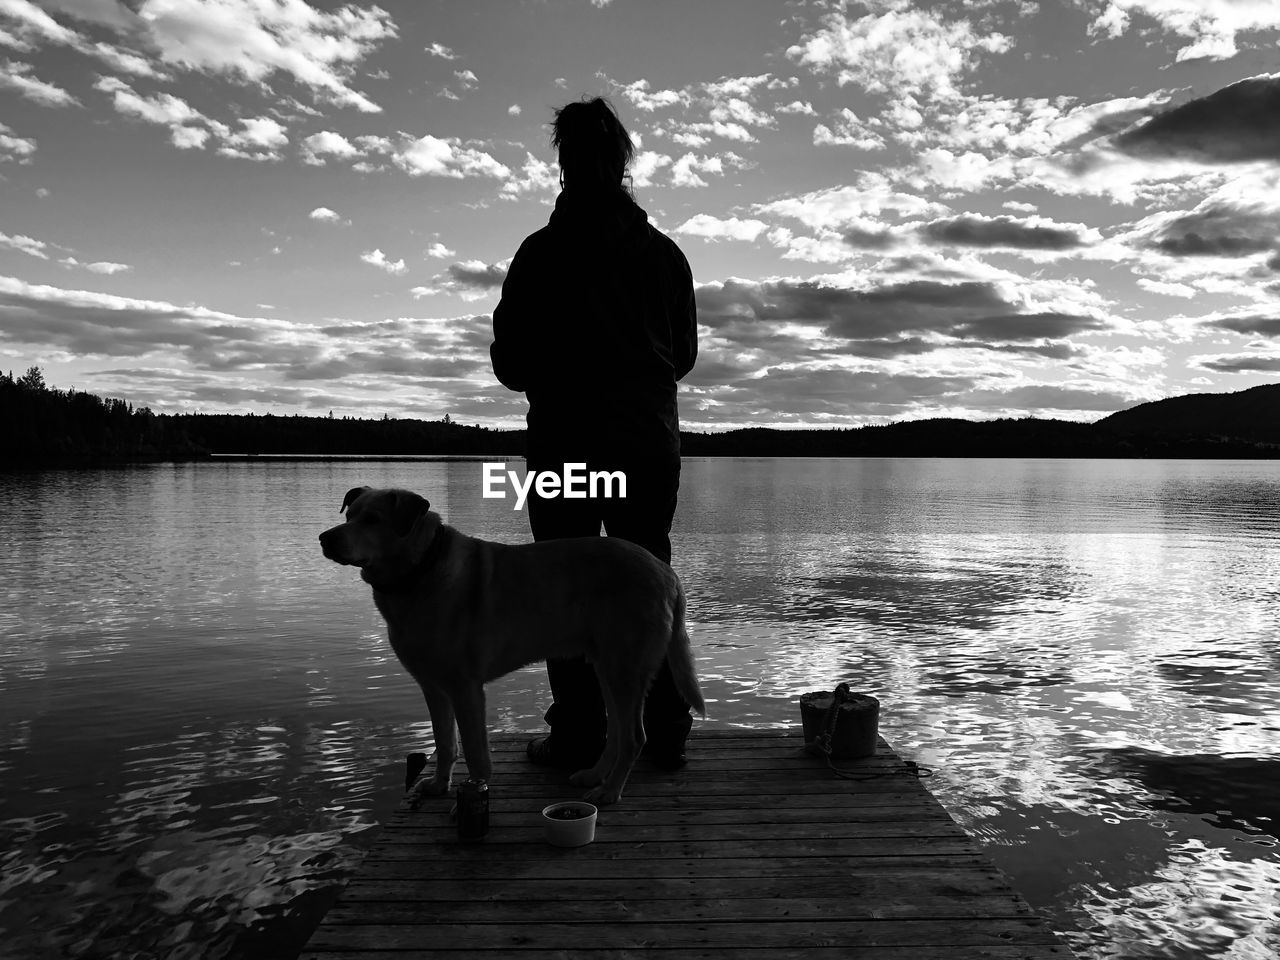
468 701
626 733
592 776
623 684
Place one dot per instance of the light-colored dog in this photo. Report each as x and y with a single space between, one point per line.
461 611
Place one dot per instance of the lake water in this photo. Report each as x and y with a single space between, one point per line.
201 723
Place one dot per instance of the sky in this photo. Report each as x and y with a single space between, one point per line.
893 209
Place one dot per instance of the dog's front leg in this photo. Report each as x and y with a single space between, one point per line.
468 701
446 737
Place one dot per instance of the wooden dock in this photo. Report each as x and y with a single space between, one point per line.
754 850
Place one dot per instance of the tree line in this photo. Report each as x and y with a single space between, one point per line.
40 425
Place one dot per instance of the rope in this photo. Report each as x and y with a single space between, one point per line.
822 743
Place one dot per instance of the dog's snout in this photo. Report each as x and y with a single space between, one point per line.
330 543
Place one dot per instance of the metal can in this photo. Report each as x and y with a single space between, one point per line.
473 810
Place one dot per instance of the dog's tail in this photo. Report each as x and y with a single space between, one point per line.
680 658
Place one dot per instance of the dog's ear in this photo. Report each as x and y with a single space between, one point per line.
350 498
405 511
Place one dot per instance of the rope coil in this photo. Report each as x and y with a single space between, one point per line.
822 744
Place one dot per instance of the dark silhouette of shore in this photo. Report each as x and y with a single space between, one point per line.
42 426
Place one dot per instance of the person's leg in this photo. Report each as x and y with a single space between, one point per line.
577 714
644 518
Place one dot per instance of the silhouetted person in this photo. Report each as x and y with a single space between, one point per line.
595 325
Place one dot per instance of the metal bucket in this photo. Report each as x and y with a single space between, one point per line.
857 722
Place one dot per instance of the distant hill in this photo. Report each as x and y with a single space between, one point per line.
1242 425
1252 414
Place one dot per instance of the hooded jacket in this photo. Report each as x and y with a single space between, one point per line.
595 325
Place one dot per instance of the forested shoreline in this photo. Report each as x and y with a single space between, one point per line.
44 426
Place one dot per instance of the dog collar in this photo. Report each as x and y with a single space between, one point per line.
409 580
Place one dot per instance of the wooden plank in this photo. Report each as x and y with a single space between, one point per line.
865 889
613 935
641 788
611 831
835 868
754 850
626 909
855 803
506 815
796 848
661 952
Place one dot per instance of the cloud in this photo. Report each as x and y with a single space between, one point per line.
1238 124
968 310
15 149
1253 325
184 356
849 131
894 49
439 250
95 324
638 95
1219 229
110 13
860 237
317 147
34 24
1048 396
261 139
684 172
730 228
537 176
107 267
804 108
325 214
646 164
36 27
24 244
188 128
976 230
441 51
870 195
467 78
17 76
1238 363
514 110
251 41
1023 327
468 279
1168 289
379 259
436 157
478 274
727 103
13 42
736 109
1210 26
